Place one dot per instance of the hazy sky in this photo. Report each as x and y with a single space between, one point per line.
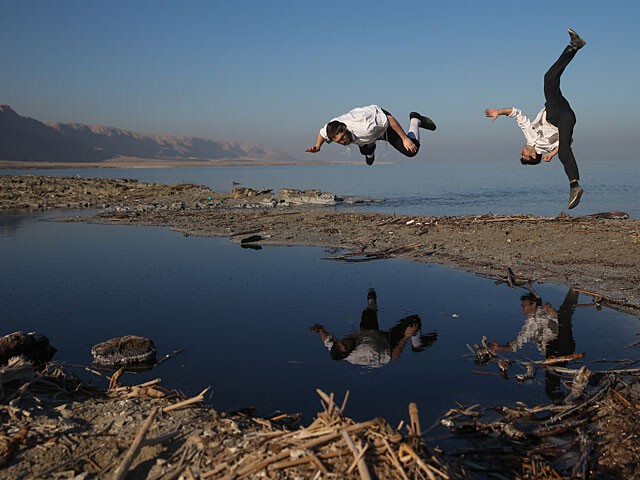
273 72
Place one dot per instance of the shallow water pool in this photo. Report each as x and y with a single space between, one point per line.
244 319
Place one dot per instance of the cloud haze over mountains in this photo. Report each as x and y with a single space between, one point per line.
27 139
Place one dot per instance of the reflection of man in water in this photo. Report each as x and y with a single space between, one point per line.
551 331
372 347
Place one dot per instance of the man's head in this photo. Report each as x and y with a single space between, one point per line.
530 303
337 132
529 156
341 349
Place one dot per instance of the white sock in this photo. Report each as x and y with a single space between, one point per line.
414 129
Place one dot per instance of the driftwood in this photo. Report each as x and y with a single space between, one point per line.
367 257
333 446
17 370
523 442
168 356
135 447
185 403
362 465
514 281
599 298
562 359
9 444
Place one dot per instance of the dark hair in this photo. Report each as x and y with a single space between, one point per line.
335 128
531 161
532 298
339 354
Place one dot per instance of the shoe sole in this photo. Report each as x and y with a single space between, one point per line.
429 124
425 122
574 203
576 38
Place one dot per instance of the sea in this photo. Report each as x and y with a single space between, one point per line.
261 327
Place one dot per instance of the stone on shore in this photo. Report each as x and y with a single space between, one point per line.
33 346
129 350
291 196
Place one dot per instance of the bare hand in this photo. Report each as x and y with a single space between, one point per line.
409 145
547 157
313 149
411 330
492 112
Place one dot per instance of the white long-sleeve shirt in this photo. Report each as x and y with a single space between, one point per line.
372 348
366 124
540 134
539 328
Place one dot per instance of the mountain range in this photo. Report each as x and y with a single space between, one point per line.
29 140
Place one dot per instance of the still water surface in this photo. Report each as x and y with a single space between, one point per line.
243 318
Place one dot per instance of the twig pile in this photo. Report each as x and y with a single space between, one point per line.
595 429
333 446
146 431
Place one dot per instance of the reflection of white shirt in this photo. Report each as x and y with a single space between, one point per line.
366 124
372 348
540 134
540 327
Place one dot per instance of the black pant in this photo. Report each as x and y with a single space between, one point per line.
559 112
394 139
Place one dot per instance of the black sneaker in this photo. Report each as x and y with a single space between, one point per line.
371 295
369 159
425 122
576 41
574 196
420 342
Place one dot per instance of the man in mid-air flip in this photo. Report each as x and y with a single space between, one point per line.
551 131
365 125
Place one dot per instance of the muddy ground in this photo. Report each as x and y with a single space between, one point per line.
87 435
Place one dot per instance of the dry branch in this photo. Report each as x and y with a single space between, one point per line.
198 398
131 454
359 460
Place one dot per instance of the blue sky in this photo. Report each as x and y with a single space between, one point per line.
274 72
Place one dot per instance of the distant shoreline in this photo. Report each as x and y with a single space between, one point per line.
131 162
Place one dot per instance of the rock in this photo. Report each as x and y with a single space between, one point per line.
251 239
33 346
129 350
292 196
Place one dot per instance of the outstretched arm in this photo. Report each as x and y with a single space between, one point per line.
496 112
409 332
316 148
320 330
548 156
406 141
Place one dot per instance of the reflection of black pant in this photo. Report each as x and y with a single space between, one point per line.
563 344
394 139
559 112
369 321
